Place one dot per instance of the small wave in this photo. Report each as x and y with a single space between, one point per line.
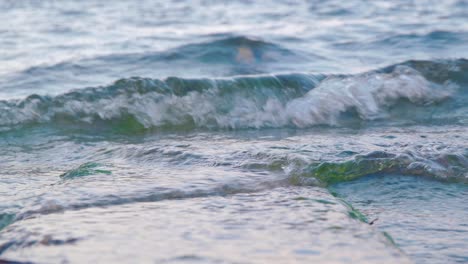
432 38
89 168
412 92
228 56
50 206
25 242
230 50
435 40
445 167
440 71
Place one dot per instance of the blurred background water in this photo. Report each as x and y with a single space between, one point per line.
233 131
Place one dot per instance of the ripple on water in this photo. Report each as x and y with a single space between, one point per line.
237 228
427 219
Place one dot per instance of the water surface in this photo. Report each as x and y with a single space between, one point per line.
233 132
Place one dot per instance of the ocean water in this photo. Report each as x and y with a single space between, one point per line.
233 131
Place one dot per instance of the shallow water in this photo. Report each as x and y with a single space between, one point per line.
427 219
235 132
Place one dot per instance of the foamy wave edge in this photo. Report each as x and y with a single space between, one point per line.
414 91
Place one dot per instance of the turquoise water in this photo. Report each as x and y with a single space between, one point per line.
233 132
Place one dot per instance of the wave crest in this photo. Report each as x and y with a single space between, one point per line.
398 93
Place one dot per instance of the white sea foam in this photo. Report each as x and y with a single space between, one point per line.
365 97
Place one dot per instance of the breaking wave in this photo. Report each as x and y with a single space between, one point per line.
407 93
